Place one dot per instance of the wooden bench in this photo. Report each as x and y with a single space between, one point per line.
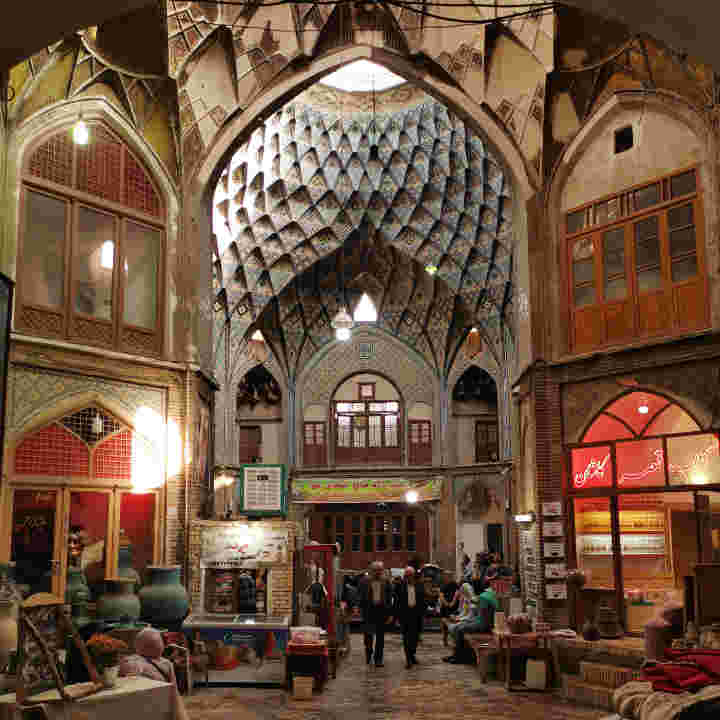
484 645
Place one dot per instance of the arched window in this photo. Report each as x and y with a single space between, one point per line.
92 245
85 492
259 412
474 406
644 499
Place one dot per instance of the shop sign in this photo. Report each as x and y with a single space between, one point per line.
556 591
552 529
361 490
551 508
553 550
243 545
556 571
260 490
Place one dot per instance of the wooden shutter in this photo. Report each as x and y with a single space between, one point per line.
420 438
250 444
314 452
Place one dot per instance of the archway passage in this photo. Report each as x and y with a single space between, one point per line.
646 467
475 411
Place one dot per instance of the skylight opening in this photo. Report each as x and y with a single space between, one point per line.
365 310
362 76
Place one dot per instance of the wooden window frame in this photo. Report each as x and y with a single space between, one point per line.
488 423
360 419
64 323
675 308
420 453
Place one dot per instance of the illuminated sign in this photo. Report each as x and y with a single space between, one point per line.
688 474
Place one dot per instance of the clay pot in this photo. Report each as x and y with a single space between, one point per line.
126 569
590 630
8 631
164 600
119 602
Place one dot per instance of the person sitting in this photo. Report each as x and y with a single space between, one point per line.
482 621
449 598
479 572
466 610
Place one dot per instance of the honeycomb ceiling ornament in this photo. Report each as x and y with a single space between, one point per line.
418 181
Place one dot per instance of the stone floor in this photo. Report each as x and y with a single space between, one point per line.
433 690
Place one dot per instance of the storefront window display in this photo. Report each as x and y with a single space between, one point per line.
640 521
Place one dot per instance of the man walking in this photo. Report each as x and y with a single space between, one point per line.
376 599
410 611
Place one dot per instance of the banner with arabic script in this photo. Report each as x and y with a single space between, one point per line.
362 490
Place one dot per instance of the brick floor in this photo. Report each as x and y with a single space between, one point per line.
434 690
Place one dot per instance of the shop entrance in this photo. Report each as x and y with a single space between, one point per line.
644 503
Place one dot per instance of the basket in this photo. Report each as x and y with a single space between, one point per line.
303 687
609 676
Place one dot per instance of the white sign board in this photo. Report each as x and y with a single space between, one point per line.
554 550
551 508
552 529
262 488
243 545
556 571
556 591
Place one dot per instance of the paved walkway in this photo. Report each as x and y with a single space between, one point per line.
433 690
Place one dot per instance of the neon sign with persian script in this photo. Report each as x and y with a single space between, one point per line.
595 469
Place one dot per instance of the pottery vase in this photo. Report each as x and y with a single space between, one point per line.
164 600
126 568
8 631
590 630
119 602
77 595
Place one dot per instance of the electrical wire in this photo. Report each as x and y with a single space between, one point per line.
451 22
431 3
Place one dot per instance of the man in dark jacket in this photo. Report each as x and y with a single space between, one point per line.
376 601
410 611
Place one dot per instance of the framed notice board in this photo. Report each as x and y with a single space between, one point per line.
261 490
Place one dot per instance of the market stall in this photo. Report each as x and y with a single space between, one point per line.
241 581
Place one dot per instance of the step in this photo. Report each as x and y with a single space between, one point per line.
576 690
609 676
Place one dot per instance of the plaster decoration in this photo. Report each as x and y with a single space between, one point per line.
32 393
319 380
419 183
74 69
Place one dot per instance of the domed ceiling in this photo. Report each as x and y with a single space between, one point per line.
421 185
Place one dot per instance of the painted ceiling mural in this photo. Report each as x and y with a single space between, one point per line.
393 192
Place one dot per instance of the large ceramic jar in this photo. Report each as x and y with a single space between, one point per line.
164 600
118 602
8 631
125 565
77 595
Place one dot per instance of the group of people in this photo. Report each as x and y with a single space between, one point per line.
382 602
469 605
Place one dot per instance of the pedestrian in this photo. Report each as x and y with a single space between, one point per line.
376 604
410 611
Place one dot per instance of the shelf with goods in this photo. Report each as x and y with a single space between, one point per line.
631 544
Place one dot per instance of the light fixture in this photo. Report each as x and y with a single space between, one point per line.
527 517
342 323
411 496
107 251
257 336
97 423
474 331
431 269
643 409
81 133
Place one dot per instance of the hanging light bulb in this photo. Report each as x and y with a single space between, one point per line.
81 133
411 496
342 323
97 423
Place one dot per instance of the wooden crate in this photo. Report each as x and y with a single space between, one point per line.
576 690
609 676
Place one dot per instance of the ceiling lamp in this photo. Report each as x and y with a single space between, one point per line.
643 408
257 336
81 133
342 324
431 269
97 423
411 496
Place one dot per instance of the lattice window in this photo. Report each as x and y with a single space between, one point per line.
139 191
53 160
91 425
113 458
98 166
52 451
